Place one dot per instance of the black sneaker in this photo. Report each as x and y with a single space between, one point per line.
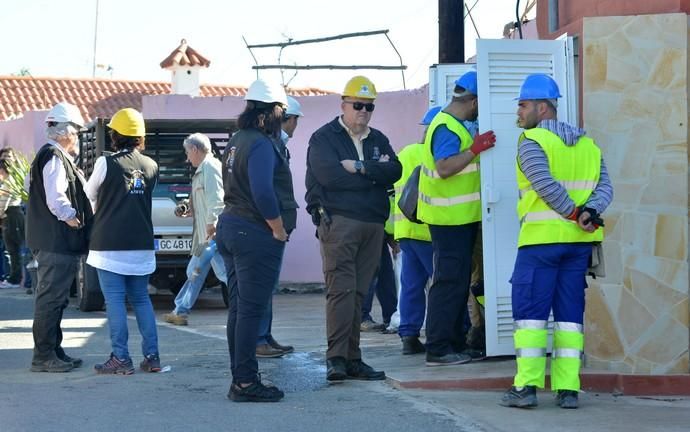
567 399
447 360
523 398
475 354
336 369
358 370
52 365
115 366
151 363
256 392
76 362
412 345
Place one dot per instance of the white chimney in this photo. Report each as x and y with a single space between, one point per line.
184 63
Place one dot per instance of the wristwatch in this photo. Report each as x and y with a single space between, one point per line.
358 166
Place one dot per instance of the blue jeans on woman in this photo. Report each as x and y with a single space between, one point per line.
115 287
185 299
250 251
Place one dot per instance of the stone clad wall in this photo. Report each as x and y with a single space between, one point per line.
635 105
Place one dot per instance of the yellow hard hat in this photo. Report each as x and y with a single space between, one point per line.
128 122
360 87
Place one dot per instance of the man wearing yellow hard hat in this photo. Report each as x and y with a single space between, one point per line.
350 167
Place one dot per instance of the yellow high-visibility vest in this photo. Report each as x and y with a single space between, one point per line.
575 167
410 157
454 200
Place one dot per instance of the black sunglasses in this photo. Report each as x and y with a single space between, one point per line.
359 105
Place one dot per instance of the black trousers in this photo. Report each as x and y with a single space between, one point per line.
13 237
55 275
447 303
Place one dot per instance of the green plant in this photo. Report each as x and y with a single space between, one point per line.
17 170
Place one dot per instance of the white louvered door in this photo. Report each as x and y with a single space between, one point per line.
442 81
502 66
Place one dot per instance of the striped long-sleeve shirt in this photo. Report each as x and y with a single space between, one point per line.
535 165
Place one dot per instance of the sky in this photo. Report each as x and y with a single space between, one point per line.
56 38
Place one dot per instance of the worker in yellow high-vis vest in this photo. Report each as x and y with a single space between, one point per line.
564 188
449 203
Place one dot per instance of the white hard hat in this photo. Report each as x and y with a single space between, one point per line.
262 91
293 107
65 112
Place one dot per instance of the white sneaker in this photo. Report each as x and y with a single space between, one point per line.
7 285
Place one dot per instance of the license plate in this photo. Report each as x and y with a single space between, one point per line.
173 244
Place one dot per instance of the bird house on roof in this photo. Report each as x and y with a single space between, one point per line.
184 63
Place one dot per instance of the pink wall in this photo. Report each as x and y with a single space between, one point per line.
25 134
397 115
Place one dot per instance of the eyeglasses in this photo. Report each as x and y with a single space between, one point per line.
359 105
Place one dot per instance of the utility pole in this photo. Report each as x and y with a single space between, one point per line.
95 42
451 31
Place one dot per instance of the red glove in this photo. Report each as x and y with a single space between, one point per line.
483 142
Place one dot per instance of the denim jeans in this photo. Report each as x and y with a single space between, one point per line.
250 251
192 287
383 286
115 287
267 320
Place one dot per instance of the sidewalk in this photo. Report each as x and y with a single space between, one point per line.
383 351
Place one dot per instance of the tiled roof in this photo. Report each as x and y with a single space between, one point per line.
96 97
184 55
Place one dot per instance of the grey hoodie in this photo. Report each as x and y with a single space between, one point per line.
535 166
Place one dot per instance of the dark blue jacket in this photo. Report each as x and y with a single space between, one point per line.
356 196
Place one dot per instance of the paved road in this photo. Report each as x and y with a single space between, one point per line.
191 396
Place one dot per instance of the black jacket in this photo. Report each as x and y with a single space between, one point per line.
356 196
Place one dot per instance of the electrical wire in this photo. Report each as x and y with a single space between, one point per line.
518 22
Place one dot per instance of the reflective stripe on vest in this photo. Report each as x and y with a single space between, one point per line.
434 174
577 169
410 158
454 200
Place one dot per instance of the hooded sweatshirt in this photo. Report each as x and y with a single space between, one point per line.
535 165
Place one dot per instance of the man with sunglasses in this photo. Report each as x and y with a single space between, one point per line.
449 203
350 167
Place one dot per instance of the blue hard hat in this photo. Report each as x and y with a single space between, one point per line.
430 115
539 86
468 81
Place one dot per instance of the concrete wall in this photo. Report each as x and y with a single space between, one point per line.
636 107
397 114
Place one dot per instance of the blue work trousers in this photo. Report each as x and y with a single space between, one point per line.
550 276
253 256
383 286
417 269
267 320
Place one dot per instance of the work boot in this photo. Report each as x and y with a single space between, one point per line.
284 348
336 369
267 351
447 360
358 370
175 319
567 399
52 365
526 397
475 354
370 325
255 392
412 345
76 362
